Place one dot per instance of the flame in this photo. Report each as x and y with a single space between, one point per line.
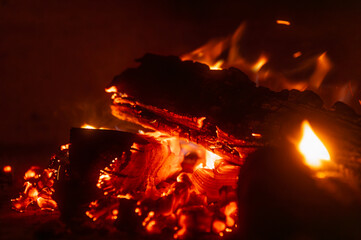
172 205
112 89
311 147
323 66
64 147
230 51
211 53
211 158
87 126
218 226
229 211
29 174
283 22
256 135
259 64
7 169
217 65
33 193
200 121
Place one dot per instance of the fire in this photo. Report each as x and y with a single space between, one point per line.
38 190
30 174
256 135
181 200
211 53
283 22
7 169
111 89
211 158
311 147
297 54
87 126
230 51
38 186
323 66
259 64
229 211
65 147
217 65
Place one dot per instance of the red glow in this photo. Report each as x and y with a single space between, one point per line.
112 89
7 169
115 212
29 174
33 193
218 226
283 22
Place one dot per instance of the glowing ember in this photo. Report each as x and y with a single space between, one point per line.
230 210
200 121
87 126
311 147
38 185
211 158
218 226
283 22
30 173
38 190
112 89
7 169
217 65
175 198
297 54
65 146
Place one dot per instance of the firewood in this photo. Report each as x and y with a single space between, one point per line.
220 109
90 151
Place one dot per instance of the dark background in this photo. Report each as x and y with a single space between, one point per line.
57 56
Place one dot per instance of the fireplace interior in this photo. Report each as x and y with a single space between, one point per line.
245 127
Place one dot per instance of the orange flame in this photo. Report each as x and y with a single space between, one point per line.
323 66
211 52
64 147
29 174
311 147
256 135
217 65
218 226
283 22
229 211
87 126
211 158
259 64
111 89
7 169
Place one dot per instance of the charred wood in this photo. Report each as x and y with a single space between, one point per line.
221 109
90 151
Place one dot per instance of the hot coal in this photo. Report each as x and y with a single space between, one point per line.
90 151
166 94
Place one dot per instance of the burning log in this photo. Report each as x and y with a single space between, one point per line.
225 112
90 151
178 178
